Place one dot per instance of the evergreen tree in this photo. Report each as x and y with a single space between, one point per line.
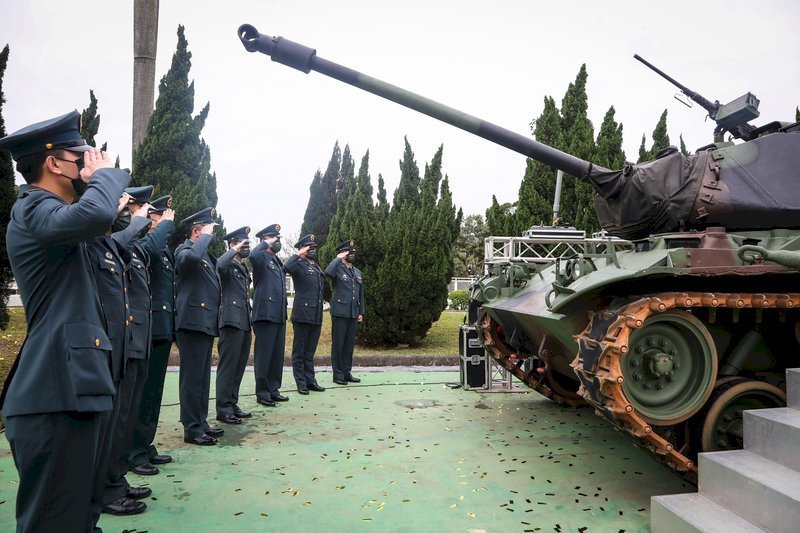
500 219
382 209
683 149
660 140
90 121
173 157
797 114
322 201
7 196
537 190
468 252
643 153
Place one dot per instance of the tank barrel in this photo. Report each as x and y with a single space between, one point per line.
305 59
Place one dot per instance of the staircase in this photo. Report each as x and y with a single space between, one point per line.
754 489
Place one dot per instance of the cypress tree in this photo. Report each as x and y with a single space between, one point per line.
7 196
660 140
683 149
500 219
643 153
797 114
322 201
173 157
90 121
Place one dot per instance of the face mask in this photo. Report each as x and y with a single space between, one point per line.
276 246
80 186
244 251
122 221
312 254
351 258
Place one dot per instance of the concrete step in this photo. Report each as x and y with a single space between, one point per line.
689 513
793 387
763 492
774 434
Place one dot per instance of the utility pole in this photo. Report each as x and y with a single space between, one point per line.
145 39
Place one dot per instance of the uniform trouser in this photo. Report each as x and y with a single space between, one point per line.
343 331
130 394
55 454
304 345
144 432
107 421
234 350
268 355
194 381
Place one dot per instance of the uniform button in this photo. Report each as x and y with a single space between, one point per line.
131 317
127 323
97 342
234 301
112 270
127 306
125 289
164 307
202 305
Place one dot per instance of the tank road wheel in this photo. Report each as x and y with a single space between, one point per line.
670 368
722 426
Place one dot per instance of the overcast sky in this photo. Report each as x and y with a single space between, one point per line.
270 127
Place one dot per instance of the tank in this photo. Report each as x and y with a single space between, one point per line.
682 314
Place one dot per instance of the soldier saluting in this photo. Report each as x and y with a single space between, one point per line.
197 301
347 311
61 381
309 282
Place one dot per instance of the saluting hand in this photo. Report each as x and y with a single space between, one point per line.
142 212
208 229
168 214
342 255
303 252
94 160
123 201
238 245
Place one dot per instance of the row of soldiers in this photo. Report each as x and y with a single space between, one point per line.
104 300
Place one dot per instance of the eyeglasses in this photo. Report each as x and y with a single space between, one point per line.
78 162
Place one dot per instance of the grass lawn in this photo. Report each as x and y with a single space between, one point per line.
442 340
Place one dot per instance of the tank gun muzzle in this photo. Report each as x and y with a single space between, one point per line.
281 50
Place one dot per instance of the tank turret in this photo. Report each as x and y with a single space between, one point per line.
713 187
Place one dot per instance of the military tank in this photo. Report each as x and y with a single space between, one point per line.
685 314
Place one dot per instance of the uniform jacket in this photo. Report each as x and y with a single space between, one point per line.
110 264
63 365
348 291
308 284
162 287
235 280
269 282
197 287
138 288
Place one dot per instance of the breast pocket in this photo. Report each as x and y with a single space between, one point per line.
109 277
88 359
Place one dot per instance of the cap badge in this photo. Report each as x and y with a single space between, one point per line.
109 256
277 227
169 201
352 243
312 238
213 212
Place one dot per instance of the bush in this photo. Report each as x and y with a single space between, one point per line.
458 300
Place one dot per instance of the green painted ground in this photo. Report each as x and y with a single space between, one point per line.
399 452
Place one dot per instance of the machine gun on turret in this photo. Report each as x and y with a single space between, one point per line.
732 117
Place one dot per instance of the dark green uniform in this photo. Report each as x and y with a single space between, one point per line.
309 282
62 380
197 302
234 332
162 330
347 303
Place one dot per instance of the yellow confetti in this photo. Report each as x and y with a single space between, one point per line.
471 515
461 497
453 506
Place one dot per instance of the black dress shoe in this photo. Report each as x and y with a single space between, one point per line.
352 379
304 392
146 469
202 440
316 388
124 506
340 381
137 493
215 432
279 398
242 414
160 459
229 419
267 403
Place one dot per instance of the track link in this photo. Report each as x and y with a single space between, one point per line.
603 345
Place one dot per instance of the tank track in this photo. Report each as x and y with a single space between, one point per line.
603 344
534 379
